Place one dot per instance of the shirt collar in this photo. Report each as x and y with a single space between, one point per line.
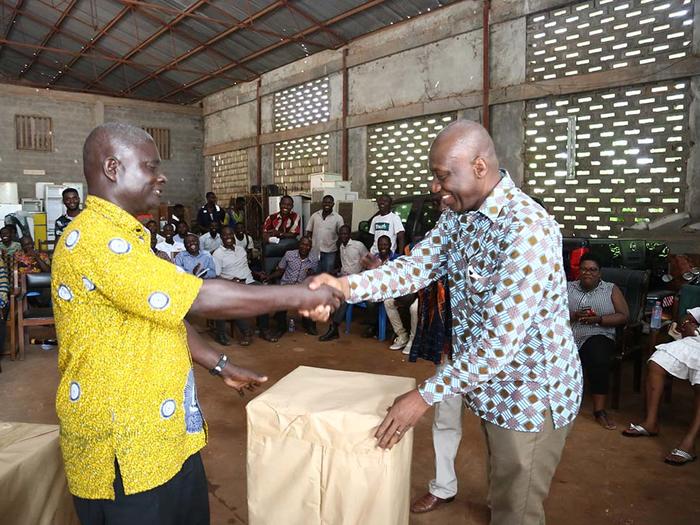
113 213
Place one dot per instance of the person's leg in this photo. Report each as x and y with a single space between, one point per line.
244 329
599 351
521 466
413 310
309 326
654 390
326 262
221 336
688 442
280 322
447 434
183 500
333 328
392 313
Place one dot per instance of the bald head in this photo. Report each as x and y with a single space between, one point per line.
122 165
464 165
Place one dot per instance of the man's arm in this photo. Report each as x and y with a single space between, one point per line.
221 299
211 267
400 236
44 265
234 376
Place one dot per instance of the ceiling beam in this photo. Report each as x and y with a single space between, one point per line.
11 22
342 16
243 24
89 45
55 29
316 23
152 38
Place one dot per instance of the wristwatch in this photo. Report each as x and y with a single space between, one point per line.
216 371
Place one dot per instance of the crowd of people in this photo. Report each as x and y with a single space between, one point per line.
485 291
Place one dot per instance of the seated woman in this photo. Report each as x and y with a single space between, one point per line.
29 260
596 307
681 359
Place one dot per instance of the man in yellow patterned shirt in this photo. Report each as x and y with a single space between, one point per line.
131 426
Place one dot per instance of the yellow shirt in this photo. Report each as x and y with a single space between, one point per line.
127 385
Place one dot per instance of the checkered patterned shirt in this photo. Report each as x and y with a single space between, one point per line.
514 356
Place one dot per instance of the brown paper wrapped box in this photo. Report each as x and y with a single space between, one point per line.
312 455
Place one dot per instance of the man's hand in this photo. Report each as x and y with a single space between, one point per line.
319 302
197 268
401 417
370 262
241 379
325 278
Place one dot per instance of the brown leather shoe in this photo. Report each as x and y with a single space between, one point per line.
427 503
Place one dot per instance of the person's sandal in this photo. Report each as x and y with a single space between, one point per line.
635 431
601 416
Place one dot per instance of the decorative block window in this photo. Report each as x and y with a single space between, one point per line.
302 105
161 136
397 155
34 133
228 173
603 35
604 160
296 160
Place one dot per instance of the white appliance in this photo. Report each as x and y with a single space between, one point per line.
8 193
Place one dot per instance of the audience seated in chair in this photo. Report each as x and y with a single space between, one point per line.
295 267
152 226
681 359
211 240
155 250
195 261
8 245
4 303
231 263
370 262
181 231
596 308
284 224
169 246
30 260
351 254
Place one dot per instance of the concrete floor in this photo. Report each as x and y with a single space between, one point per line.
603 477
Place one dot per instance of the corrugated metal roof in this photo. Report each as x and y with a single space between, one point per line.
177 51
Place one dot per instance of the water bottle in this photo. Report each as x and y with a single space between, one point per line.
656 316
290 324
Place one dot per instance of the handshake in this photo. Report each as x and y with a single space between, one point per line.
322 294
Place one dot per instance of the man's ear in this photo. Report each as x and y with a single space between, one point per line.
110 167
480 168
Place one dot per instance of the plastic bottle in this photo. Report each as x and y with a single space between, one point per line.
290 324
656 316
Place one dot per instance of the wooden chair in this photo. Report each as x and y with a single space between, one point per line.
634 285
28 315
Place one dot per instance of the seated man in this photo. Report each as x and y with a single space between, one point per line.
29 260
284 224
169 246
351 254
4 301
181 232
8 245
681 359
370 262
210 212
152 226
231 263
156 251
294 268
243 240
194 261
211 240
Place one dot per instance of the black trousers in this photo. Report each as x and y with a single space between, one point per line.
183 500
596 355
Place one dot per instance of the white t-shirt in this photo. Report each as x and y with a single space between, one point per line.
232 264
246 242
389 225
170 249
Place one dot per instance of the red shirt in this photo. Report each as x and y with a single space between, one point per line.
288 224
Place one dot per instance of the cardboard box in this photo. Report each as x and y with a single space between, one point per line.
312 455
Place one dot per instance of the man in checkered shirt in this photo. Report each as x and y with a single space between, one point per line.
514 358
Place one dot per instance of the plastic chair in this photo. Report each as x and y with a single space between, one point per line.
381 319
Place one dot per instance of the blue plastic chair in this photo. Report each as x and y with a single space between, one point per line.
381 319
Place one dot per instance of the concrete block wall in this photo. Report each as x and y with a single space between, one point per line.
427 65
73 117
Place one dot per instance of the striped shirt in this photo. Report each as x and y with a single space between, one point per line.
599 299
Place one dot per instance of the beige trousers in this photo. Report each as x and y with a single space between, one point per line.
520 468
